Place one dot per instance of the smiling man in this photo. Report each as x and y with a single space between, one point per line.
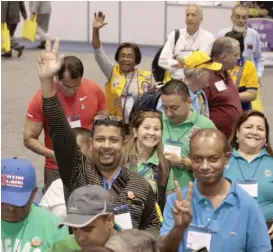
133 196
81 99
225 217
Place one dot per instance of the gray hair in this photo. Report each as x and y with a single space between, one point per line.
190 73
132 240
223 45
199 9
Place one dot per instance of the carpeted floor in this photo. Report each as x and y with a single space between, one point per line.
20 81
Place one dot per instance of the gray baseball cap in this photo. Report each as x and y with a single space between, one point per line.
87 203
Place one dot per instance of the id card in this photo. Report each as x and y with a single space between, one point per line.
196 239
74 121
250 187
172 148
220 86
124 220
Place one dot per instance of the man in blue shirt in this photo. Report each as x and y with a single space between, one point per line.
224 217
253 49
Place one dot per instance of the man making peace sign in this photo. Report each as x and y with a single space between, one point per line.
224 217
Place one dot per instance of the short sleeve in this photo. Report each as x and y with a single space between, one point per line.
251 78
35 108
101 100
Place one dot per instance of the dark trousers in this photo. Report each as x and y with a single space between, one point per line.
15 45
50 175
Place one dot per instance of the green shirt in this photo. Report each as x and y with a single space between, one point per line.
148 174
181 134
68 244
40 226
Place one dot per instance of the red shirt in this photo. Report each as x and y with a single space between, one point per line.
88 101
224 103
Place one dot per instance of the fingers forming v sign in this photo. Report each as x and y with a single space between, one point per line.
48 62
182 210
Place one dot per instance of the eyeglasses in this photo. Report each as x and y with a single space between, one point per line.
106 117
74 88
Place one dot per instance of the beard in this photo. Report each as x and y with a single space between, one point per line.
240 29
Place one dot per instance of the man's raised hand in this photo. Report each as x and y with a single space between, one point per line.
48 62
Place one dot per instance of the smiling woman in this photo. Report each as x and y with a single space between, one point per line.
125 83
251 164
144 154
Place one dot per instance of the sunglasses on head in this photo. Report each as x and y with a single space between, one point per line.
106 117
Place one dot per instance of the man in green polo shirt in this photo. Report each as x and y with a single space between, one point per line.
180 121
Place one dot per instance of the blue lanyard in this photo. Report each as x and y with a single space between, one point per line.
254 173
108 186
147 168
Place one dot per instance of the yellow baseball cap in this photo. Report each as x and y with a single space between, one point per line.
199 59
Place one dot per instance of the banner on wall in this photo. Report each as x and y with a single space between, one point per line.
264 27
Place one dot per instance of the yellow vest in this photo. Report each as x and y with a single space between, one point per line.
116 84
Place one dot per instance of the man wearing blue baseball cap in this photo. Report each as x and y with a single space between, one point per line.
24 225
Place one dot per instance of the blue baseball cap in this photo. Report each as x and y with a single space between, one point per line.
18 180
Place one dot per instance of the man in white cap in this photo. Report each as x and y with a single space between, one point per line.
92 216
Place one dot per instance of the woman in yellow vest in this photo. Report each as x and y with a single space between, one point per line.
125 83
244 75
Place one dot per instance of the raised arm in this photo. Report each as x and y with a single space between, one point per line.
101 58
67 152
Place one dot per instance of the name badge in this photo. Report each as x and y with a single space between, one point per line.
198 239
124 220
173 148
220 86
74 121
251 187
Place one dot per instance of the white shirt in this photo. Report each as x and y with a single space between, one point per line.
202 40
53 199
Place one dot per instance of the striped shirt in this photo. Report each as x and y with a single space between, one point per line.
77 170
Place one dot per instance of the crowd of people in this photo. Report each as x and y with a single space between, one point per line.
177 164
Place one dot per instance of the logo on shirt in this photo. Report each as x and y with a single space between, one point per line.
83 98
268 173
36 242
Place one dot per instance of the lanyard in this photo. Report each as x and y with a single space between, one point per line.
189 48
108 186
65 106
147 168
254 173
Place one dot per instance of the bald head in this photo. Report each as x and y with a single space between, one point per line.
204 136
239 7
195 8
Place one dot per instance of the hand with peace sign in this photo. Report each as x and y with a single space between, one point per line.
98 21
48 62
182 211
